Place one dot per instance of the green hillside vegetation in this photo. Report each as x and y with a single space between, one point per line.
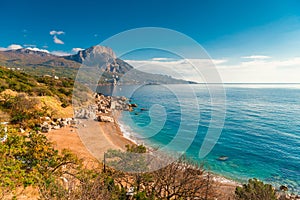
36 86
26 98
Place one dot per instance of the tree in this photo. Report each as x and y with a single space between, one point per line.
255 190
32 160
181 179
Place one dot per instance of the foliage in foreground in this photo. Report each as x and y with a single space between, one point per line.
31 160
255 190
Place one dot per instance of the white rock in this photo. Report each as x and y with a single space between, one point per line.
56 127
105 119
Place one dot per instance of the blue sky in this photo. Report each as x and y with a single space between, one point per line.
229 30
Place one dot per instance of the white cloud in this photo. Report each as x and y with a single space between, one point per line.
75 50
188 69
60 53
14 47
11 47
202 70
17 46
57 41
55 38
37 49
262 71
56 32
161 59
256 57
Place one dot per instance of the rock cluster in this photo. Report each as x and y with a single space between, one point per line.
282 194
103 107
121 103
103 104
100 111
86 113
56 123
286 196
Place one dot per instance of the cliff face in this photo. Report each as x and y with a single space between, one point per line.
104 57
91 52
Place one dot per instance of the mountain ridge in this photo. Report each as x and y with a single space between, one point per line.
42 63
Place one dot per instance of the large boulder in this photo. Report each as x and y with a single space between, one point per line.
134 105
56 127
105 119
283 188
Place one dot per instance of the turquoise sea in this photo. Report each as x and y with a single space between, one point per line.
260 137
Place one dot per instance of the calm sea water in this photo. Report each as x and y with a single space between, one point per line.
260 137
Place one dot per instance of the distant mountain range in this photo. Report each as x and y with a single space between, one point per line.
41 63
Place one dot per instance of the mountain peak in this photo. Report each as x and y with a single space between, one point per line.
92 52
102 50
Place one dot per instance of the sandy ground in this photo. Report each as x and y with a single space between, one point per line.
100 137
67 138
90 139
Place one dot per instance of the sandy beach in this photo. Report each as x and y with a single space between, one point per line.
90 139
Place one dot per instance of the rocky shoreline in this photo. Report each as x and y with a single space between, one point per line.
102 110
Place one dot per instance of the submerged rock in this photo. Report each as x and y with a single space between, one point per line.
223 158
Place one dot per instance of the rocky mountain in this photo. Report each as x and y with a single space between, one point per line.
42 63
103 57
91 52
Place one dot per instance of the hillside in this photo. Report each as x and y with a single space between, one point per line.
40 63
36 86
34 96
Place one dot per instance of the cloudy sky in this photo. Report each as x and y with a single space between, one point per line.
247 41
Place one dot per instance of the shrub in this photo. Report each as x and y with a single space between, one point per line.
255 190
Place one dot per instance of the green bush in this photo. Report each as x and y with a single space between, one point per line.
32 160
255 190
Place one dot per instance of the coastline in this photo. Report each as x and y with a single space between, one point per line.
91 139
224 187
218 178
